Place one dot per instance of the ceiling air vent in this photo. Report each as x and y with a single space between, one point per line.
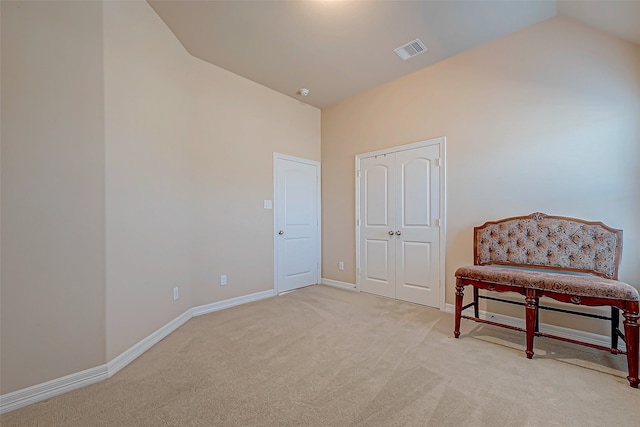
410 49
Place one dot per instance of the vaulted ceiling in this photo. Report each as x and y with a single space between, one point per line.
339 48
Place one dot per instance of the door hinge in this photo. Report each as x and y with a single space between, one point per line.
438 161
357 174
357 222
358 270
437 222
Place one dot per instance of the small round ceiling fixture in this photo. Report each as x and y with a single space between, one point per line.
304 91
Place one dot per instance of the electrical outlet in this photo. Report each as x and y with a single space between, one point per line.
223 280
176 293
341 266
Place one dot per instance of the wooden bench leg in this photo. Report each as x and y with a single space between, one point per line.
615 323
537 314
476 306
631 332
459 298
531 309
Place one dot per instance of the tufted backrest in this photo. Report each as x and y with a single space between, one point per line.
553 242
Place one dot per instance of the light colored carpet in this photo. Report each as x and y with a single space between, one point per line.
322 356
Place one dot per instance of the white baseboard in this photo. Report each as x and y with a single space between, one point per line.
232 302
128 356
39 392
338 284
573 334
49 389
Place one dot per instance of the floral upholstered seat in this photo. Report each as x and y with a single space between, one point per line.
570 284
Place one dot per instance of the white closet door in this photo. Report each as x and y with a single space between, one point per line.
399 225
377 220
417 235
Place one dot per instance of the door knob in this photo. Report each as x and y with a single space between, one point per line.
398 233
390 233
281 232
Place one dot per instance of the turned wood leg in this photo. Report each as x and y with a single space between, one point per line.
459 297
631 332
476 308
531 308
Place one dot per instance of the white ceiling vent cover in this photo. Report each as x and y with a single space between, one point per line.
410 49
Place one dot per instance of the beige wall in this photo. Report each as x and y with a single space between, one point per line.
189 150
237 127
149 200
53 241
545 119
128 168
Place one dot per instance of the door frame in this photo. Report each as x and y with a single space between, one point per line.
276 157
441 142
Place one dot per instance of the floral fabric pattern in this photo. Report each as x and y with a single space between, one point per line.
539 240
570 284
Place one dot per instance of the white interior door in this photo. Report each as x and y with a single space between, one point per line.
399 225
377 222
417 232
296 222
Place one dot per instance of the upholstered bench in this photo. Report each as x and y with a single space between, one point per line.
566 259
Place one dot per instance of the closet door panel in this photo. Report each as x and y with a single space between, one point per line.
417 236
377 218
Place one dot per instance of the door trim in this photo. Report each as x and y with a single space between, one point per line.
276 157
441 142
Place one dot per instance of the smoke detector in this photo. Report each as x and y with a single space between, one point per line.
304 91
410 49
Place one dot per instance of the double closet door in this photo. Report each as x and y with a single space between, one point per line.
399 235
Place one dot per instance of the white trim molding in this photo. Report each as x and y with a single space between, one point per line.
338 284
232 302
39 392
128 356
573 334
